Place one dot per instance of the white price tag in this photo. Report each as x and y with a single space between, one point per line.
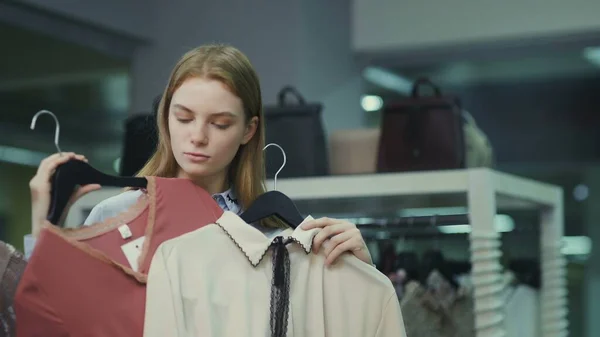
133 250
125 231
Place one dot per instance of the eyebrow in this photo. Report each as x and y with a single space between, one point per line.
218 114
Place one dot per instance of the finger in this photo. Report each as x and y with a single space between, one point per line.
336 241
50 160
328 232
346 246
318 223
81 157
53 166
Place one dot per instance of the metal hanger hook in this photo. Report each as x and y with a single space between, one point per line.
56 130
282 165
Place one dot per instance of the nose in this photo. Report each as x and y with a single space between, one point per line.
200 135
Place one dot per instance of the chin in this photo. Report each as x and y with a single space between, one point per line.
198 170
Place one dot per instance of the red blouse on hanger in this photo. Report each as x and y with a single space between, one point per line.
79 282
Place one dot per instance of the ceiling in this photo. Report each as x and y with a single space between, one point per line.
500 68
88 92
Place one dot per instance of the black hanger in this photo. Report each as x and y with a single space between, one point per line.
76 173
274 203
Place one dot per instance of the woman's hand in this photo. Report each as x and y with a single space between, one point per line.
337 237
40 186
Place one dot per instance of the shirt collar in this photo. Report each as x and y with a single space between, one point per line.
254 244
228 201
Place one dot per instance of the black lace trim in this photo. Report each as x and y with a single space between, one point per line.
280 287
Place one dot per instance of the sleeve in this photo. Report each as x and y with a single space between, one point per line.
164 309
391 323
35 315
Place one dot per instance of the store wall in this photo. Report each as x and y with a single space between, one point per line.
287 41
124 16
387 24
305 43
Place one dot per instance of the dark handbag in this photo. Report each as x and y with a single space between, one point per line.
296 127
421 132
139 144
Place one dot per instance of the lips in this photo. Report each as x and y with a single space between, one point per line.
195 156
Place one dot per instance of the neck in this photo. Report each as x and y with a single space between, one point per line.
213 184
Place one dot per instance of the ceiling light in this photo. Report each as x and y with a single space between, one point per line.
576 245
386 79
371 103
592 54
581 192
502 223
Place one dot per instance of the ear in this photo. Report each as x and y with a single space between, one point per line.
250 130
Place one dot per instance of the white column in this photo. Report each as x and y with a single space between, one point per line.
485 256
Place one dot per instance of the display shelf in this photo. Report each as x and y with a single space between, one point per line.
427 189
482 192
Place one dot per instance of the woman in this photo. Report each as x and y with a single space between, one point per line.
210 125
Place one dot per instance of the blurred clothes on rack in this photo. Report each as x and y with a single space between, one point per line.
92 280
298 128
521 308
437 309
236 281
435 293
12 266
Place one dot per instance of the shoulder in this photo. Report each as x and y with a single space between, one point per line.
191 248
206 238
112 206
364 275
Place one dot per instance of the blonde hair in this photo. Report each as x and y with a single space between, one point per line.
230 66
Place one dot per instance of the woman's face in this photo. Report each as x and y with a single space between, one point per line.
207 125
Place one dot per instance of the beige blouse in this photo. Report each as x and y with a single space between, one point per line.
218 281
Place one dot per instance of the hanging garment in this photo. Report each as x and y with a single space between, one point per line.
12 266
91 281
437 309
422 314
521 311
228 280
457 305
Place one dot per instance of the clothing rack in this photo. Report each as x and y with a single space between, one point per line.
483 192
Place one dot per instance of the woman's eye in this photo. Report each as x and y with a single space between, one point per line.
221 126
184 120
